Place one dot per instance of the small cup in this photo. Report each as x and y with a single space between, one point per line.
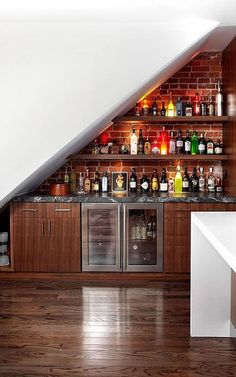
3 237
3 249
4 260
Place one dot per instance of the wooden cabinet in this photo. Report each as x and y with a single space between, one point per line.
45 237
177 229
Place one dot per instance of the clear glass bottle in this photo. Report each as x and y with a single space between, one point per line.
218 147
133 143
66 177
95 147
196 105
210 147
202 144
145 107
203 107
202 181
219 100
124 148
96 183
172 146
210 107
211 181
105 182
171 185
219 185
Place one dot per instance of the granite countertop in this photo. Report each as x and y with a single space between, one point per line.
129 198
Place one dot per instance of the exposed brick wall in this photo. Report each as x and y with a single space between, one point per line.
199 75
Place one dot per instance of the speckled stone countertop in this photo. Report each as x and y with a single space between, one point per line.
129 198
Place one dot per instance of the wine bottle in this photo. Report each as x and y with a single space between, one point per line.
187 143
203 107
172 146
140 146
96 183
163 181
201 180
211 181
144 184
133 181
147 146
196 105
163 110
178 180
194 144
202 144
194 181
154 107
186 181
179 107
104 182
179 143
154 181
87 182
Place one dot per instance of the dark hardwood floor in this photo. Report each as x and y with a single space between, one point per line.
51 328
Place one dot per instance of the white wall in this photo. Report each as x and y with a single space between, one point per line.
62 82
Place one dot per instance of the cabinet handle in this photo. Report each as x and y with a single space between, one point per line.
29 210
62 210
49 228
43 228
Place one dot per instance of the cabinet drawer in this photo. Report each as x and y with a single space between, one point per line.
29 209
63 210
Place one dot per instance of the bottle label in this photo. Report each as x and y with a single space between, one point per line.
96 187
171 186
132 184
211 184
134 148
87 185
187 145
185 184
104 184
154 184
201 147
218 150
144 185
179 143
147 148
201 184
210 148
172 147
188 111
194 182
163 186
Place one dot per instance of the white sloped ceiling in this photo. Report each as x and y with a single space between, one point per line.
63 80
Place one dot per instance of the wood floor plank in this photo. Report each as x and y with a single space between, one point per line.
54 328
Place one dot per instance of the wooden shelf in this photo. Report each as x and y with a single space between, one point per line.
159 119
128 157
6 268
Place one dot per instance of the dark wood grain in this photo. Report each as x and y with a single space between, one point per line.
229 132
72 329
159 119
179 157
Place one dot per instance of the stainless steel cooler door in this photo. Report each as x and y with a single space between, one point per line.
143 237
101 237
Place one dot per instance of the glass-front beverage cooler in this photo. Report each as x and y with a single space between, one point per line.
101 237
143 237
122 237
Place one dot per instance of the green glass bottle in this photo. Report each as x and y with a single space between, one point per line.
178 181
194 144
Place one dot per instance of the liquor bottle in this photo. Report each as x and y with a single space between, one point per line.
219 100
124 148
218 147
210 107
186 181
203 107
179 107
154 181
87 182
80 184
202 180
210 147
179 143
154 227
95 147
66 177
133 181
170 107
172 147
188 108
187 143
219 186
202 144
137 110
145 107
194 144
140 142
73 181
164 141
178 180
133 143
96 183
163 110
211 181
171 185
194 181
147 146
196 105
155 148
104 182
154 107
144 184
163 181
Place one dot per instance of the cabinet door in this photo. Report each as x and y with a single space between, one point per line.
63 245
101 237
28 243
143 238
177 238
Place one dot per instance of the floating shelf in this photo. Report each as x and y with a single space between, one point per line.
128 157
159 119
